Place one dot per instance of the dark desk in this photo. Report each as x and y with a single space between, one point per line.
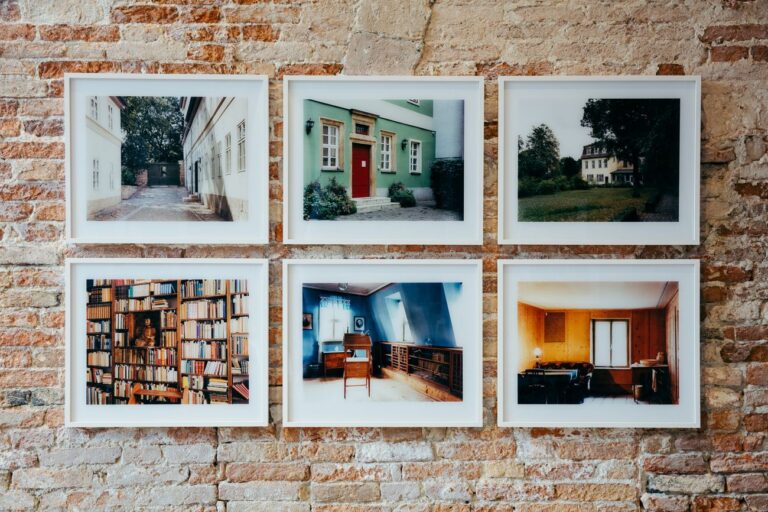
548 386
654 381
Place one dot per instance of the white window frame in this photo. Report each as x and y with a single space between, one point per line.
111 175
95 171
419 153
95 108
228 153
241 146
592 327
218 158
385 150
110 117
333 148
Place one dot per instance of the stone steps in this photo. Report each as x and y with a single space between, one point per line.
374 204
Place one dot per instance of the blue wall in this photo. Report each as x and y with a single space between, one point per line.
426 307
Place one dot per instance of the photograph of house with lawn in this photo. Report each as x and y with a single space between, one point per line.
599 160
158 158
396 159
369 342
599 343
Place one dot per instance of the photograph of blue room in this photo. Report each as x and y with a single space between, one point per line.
384 341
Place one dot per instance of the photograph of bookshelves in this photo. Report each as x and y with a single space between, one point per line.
167 341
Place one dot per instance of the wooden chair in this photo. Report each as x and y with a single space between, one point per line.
357 366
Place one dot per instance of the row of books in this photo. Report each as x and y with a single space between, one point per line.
193 329
203 287
217 385
99 359
121 339
162 288
242 389
204 309
239 367
197 397
97 312
98 295
98 376
122 388
158 356
240 344
91 283
168 319
155 373
238 286
239 325
97 327
98 342
204 349
193 382
240 305
218 368
96 396
120 321
138 290
169 338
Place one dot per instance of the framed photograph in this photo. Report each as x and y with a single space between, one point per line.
599 160
379 160
306 321
599 343
166 342
166 158
415 360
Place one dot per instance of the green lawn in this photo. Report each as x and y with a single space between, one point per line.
596 204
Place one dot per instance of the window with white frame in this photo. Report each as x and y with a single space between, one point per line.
610 343
414 157
95 173
95 107
241 146
335 318
385 160
330 144
228 153
111 176
218 158
111 117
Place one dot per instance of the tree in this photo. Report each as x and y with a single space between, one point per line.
153 127
569 167
539 156
639 131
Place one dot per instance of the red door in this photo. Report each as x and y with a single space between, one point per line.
361 177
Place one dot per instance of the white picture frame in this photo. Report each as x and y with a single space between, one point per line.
467 231
302 411
514 92
253 228
685 413
78 414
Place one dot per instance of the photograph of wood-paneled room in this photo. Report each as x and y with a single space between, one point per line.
598 343
384 341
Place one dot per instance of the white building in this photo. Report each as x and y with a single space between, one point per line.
601 168
103 140
215 160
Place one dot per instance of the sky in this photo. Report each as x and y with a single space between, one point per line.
562 115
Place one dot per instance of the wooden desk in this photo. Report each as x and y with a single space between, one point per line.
332 361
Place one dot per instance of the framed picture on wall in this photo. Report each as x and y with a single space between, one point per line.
416 360
599 160
599 343
162 159
166 342
372 160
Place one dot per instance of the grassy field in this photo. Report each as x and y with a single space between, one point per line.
596 204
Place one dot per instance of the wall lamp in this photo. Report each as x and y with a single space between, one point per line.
403 144
308 125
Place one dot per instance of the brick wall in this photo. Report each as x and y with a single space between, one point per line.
721 467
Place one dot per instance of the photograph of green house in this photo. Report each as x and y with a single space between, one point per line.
399 159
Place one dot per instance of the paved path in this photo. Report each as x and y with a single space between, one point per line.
157 203
666 210
419 212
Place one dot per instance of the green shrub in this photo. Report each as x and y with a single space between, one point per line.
577 183
527 187
405 198
447 181
562 183
395 188
127 177
327 203
547 187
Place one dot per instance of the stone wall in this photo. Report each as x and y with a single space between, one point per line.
721 467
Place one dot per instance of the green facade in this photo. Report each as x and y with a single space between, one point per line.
317 110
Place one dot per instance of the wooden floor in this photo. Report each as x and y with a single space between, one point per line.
382 390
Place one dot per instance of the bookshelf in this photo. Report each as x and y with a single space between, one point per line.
201 334
436 371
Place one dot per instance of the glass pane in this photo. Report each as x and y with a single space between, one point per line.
602 355
619 337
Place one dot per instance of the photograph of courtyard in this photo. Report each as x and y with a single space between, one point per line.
160 158
599 160
389 159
